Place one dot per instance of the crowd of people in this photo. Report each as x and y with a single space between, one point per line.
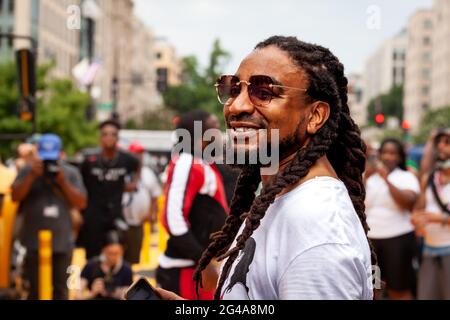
316 229
407 212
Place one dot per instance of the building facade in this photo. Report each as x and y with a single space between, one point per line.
385 68
167 65
47 22
58 42
440 75
6 26
355 99
144 96
418 84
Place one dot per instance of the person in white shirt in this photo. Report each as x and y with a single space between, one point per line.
304 235
139 206
391 195
431 218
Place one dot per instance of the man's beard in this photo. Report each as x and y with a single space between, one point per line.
286 147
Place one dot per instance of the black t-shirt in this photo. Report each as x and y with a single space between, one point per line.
123 277
105 182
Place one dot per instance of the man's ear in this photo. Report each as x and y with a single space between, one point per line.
319 114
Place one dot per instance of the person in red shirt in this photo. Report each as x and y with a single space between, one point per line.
196 206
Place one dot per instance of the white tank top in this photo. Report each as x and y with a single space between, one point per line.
437 235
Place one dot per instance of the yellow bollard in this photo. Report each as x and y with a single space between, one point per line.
145 251
7 217
45 265
162 233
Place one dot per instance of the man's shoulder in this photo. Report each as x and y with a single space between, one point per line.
126 269
315 203
127 156
315 193
90 155
70 168
91 265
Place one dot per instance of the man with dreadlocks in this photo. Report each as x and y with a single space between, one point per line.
304 235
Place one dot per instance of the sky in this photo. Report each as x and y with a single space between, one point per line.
351 29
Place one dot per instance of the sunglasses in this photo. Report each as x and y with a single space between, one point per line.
260 89
109 134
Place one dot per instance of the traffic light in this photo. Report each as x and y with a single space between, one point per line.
379 119
405 125
27 84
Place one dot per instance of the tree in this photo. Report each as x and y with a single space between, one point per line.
197 90
61 109
438 118
390 105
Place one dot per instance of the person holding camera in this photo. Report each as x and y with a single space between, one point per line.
107 276
48 189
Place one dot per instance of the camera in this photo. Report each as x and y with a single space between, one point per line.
110 286
51 168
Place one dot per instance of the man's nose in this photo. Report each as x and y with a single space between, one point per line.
241 104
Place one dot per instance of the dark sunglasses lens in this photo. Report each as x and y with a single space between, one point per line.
227 88
260 91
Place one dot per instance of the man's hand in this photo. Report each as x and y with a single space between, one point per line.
210 276
131 187
60 177
98 288
37 167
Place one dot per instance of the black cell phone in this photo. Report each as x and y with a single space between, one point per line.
141 290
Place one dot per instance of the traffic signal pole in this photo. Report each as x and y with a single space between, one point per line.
27 62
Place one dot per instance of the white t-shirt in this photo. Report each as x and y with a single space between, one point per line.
384 217
136 205
310 245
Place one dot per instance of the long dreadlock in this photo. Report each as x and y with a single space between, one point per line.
339 139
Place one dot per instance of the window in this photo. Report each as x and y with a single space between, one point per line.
158 55
428 24
426 41
162 78
425 90
1 6
425 106
426 73
11 6
426 57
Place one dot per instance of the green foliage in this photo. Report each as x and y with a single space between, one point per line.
392 133
391 104
439 118
197 90
60 107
